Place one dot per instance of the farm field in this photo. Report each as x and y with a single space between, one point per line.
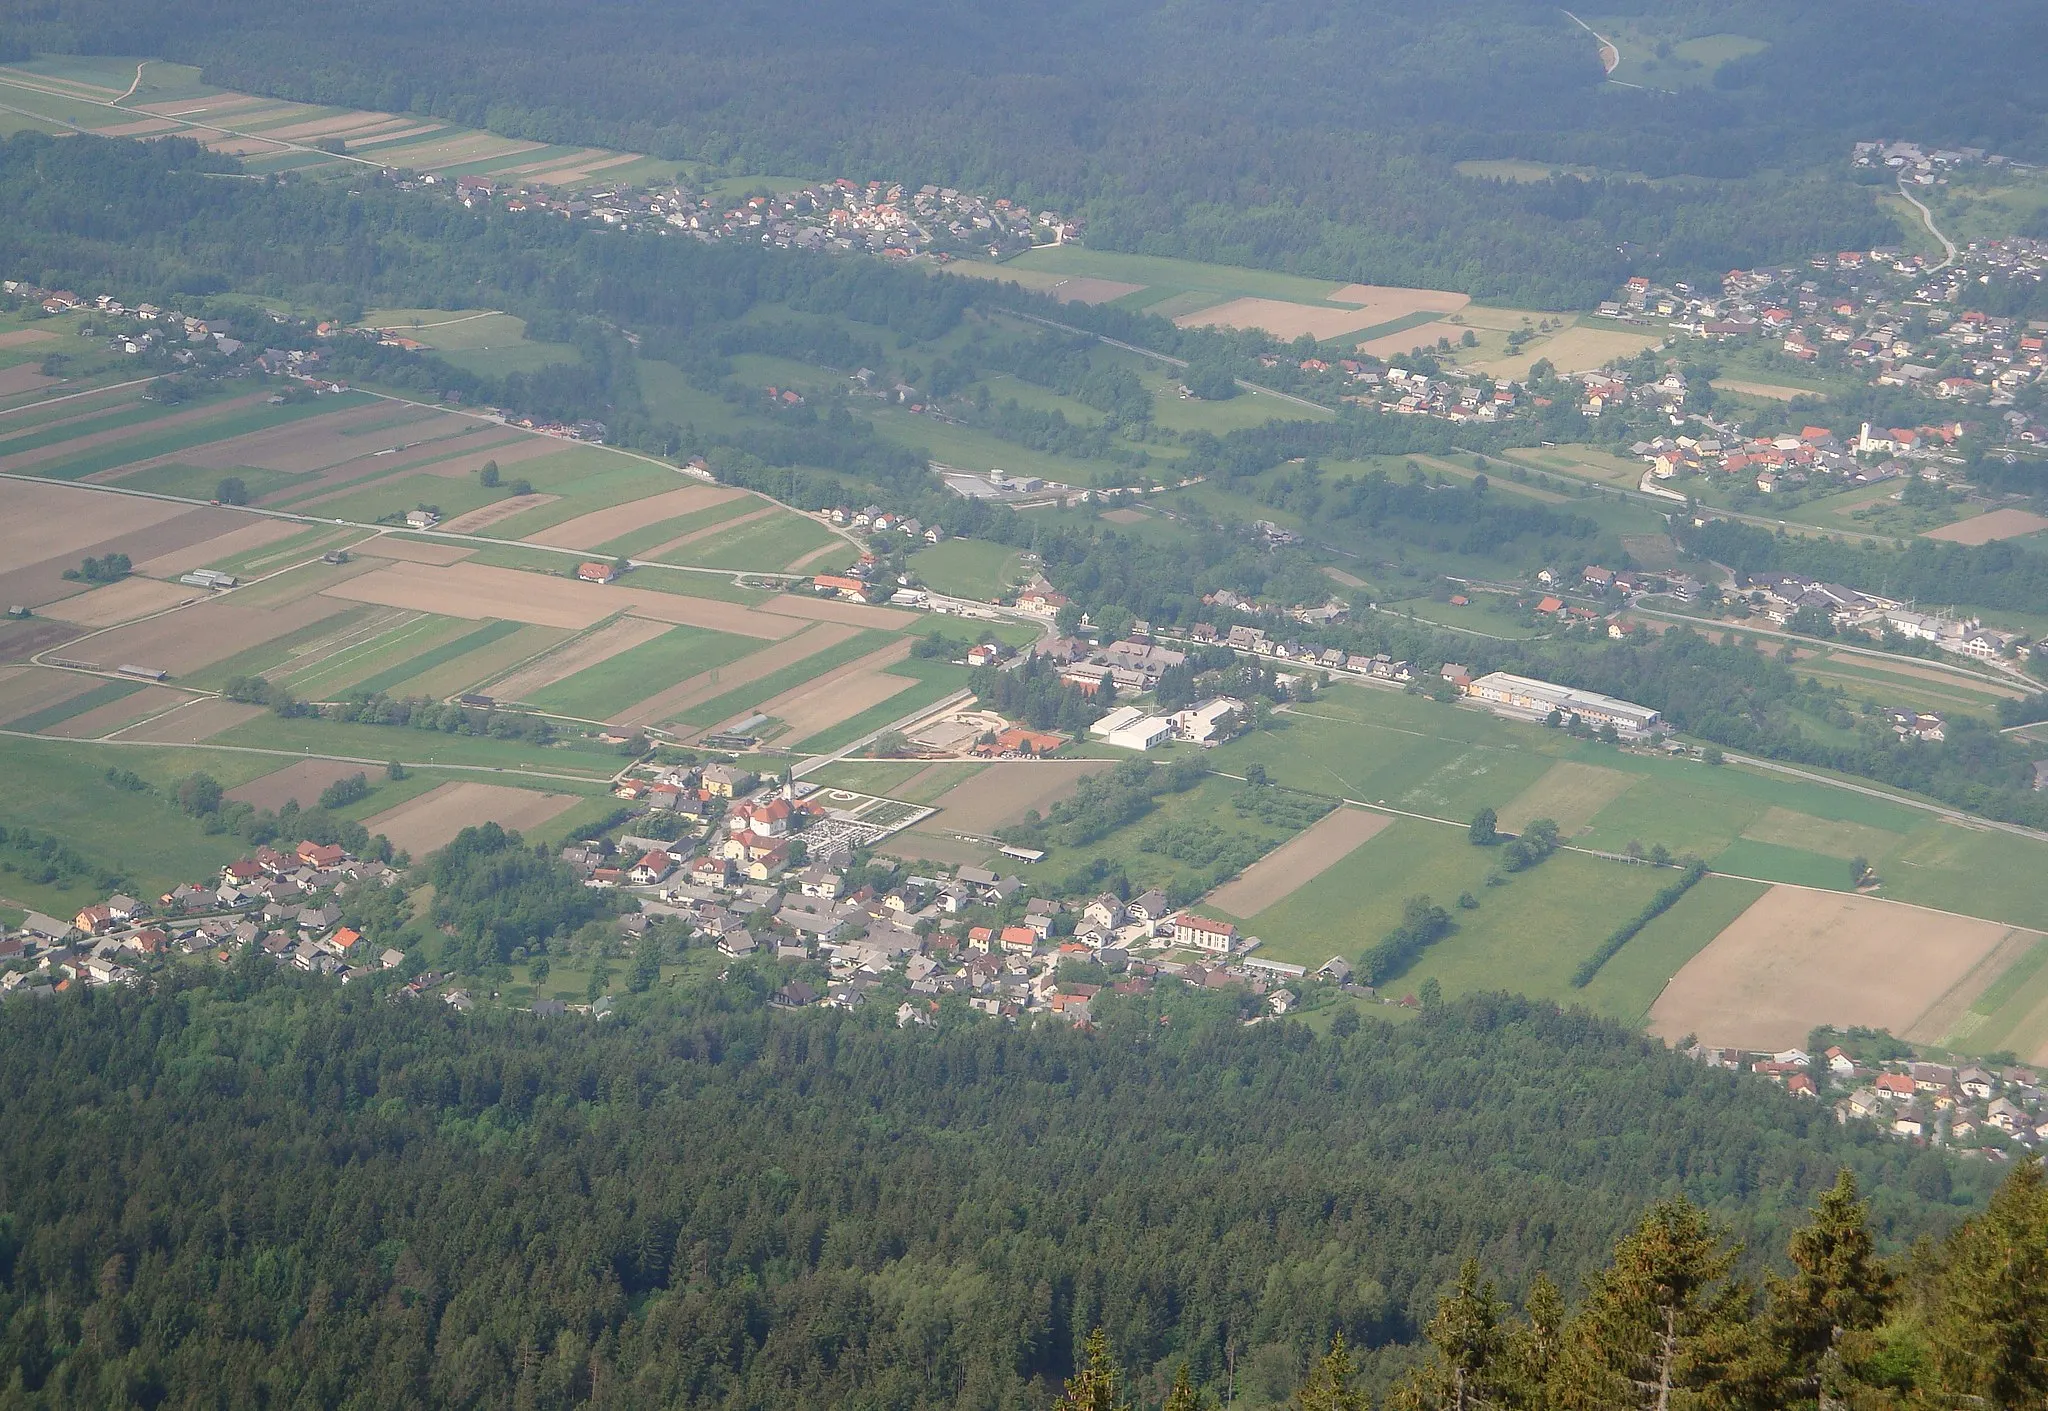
1297 862
68 93
1991 526
424 823
969 568
1575 348
605 687
1797 958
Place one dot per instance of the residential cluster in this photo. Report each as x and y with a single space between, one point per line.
1883 314
1983 1109
873 217
1784 596
287 904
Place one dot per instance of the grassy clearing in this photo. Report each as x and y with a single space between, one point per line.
638 672
969 568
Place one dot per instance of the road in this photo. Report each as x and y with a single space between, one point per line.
1104 338
1927 217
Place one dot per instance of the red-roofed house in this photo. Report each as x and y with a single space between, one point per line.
1204 934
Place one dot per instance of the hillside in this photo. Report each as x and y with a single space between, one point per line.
256 1181
1323 139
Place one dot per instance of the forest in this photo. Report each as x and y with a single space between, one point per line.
1321 139
247 1187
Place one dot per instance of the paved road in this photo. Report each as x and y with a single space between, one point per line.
1927 217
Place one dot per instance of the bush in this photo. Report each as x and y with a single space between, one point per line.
343 792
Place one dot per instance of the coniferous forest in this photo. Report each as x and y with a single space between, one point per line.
252 1189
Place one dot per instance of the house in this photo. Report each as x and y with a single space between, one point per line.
1149 908
1204 934
93 919
1802 1085
421 519
321 855
2007 1116
594 572
794 995
653 867
727 780
1019 938
1841 1065
737 945
1898 1086
1974 1083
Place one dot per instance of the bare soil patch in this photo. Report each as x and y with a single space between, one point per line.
481 519
22 640
1298 861
1992 525
1925 673
840 694
587 531
194 723
202 635
1798 958
1568 793
121 602
420 825
15 338
342 126
832 610
1770 390
1005 791
105 719
1386 302
1084 290
666 705
28 690
573 656
300 782
386 546
481 592
22 377
1281 318
46 521
253 534
162 528
1420 336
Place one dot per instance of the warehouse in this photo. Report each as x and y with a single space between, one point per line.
1523 695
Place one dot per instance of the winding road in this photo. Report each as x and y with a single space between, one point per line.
1927 217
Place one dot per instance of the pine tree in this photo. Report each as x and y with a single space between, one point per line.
1328 1387
1467 1336
1533 1346
1988 1328
1098 1385
1658 1325
1839 1292
1183 1396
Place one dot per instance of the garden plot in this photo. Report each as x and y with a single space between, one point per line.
1798 958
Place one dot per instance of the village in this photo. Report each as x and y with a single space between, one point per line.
1989 1110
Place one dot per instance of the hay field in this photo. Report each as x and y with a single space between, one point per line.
300 782
576 654
190 724
202 635
1992 525
480 519
256 534
120 602
1569 793
1008 789
1577 349
1297 862
479 591
587 531
709 685
31 690
420 825
107 719
1280 318
840 694
1798 958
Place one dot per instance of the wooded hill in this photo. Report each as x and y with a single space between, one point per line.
248 1187
1319 138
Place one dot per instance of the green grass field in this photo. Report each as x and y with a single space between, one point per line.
1161 272
639 672
424 747
61 788
766 545
396 650
491 650
450 648
969 568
